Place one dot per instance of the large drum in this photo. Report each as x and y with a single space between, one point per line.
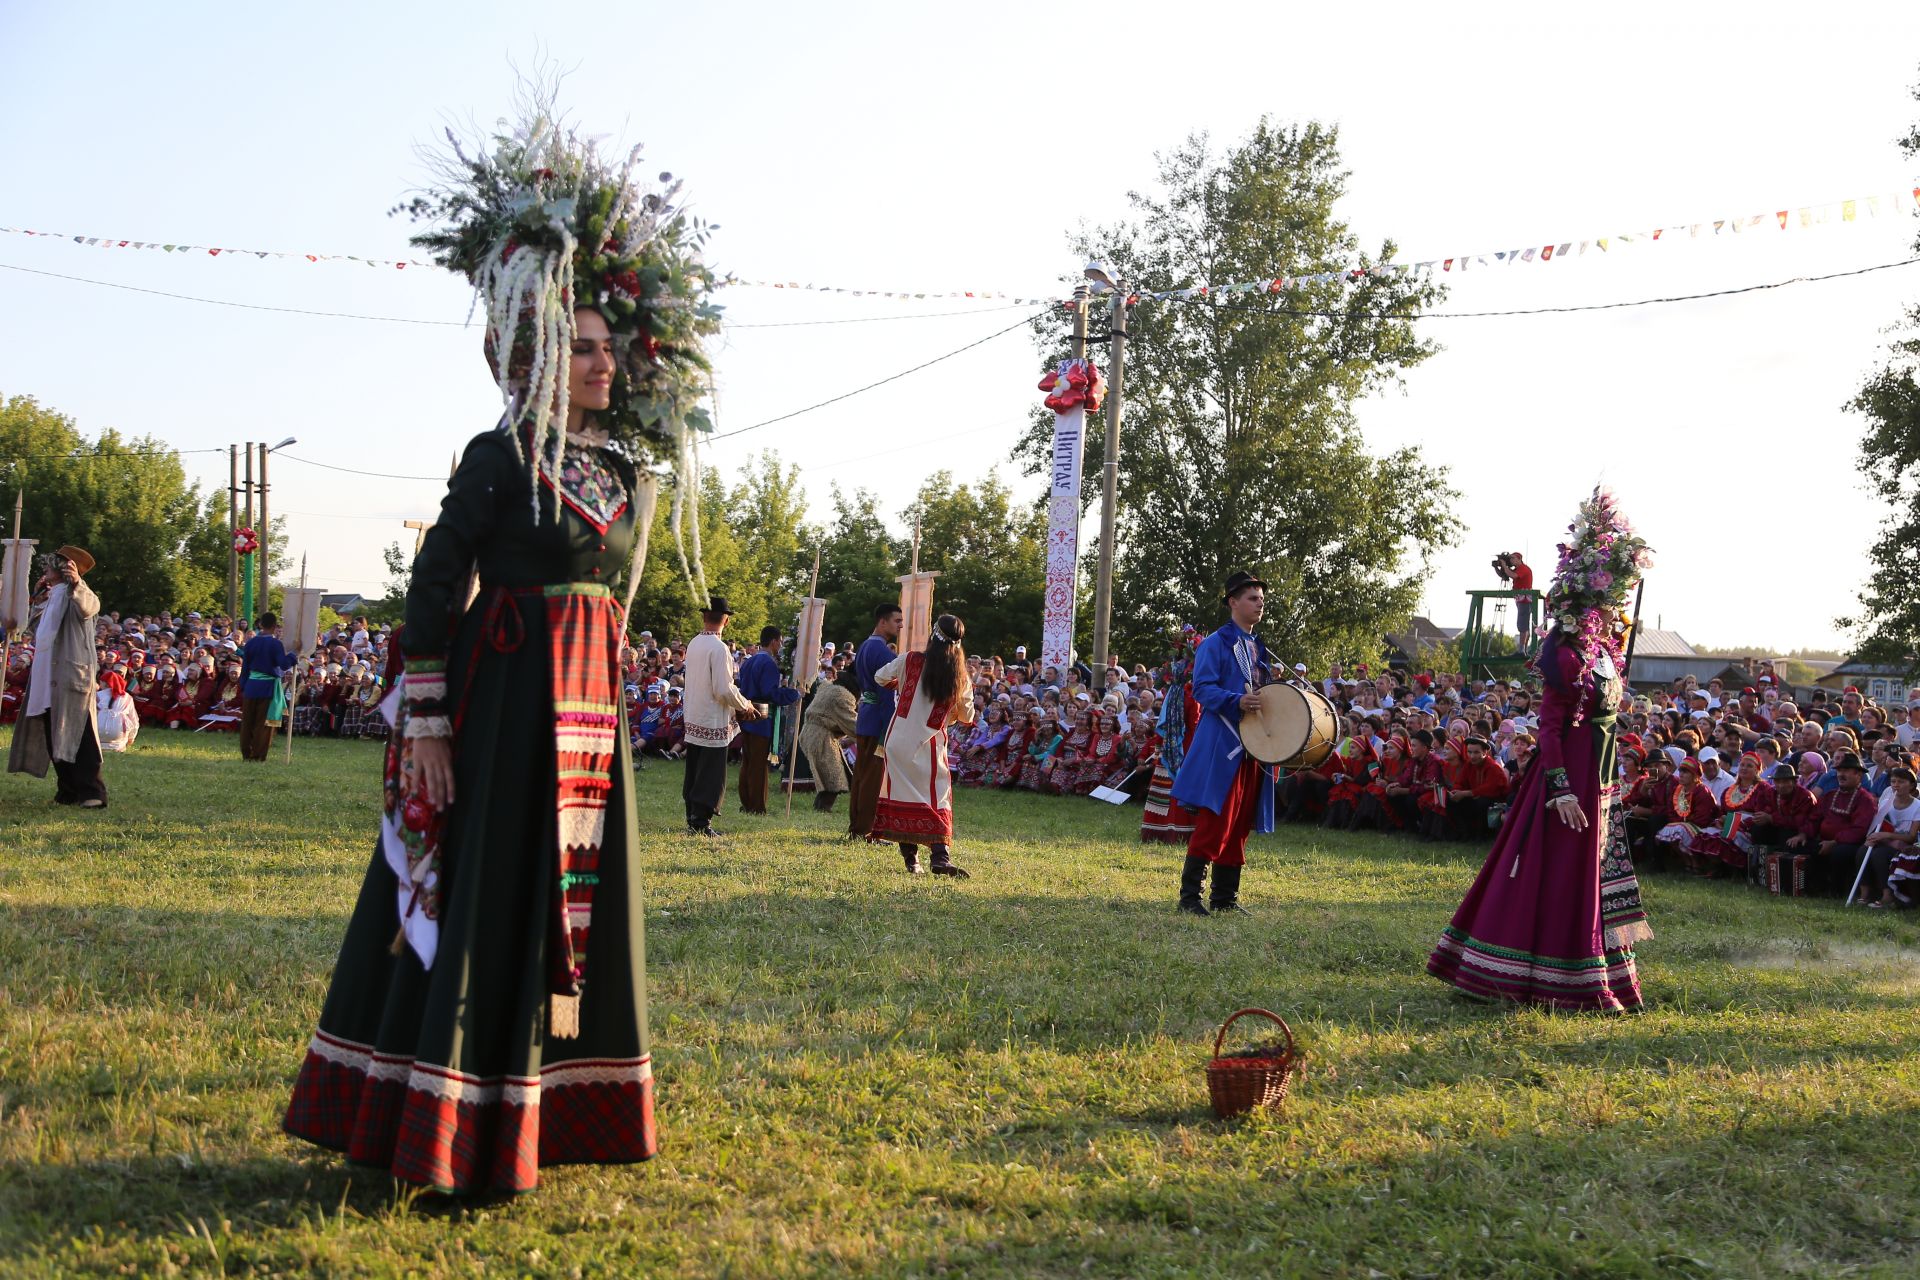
1295 728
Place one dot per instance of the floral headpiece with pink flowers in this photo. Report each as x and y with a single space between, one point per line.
1598 567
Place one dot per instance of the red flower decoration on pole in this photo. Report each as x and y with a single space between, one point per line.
1074 384
245 541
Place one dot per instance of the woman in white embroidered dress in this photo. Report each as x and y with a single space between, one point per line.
916 796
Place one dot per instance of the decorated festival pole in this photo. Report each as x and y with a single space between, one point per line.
1072 387
806 645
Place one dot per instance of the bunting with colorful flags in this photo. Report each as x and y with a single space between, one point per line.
1792 217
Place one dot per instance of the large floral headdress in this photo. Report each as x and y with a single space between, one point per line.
1598 567
540 223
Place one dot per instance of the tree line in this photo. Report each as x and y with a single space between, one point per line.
160 541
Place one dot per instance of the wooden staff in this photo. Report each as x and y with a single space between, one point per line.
793 757
293 699
1633 635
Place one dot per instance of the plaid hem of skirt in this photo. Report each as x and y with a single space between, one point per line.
456 1132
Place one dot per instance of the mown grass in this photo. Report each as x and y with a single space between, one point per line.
869 1074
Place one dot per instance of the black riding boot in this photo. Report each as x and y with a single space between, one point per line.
1193 878
1226 890
911 854
944 865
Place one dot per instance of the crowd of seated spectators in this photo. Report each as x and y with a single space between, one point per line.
1800 794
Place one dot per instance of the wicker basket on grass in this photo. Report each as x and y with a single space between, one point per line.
1252 1078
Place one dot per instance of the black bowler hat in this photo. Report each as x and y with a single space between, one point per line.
1240 581
1848 760
717 606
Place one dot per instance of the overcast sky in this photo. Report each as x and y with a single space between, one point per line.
908 147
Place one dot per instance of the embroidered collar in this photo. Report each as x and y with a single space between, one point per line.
588 484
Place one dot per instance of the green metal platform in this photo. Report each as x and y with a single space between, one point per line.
1480 659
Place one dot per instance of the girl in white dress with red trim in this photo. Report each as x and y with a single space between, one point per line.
916 795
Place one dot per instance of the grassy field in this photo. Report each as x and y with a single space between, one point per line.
866 1073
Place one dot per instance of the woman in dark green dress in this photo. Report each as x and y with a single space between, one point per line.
487 1014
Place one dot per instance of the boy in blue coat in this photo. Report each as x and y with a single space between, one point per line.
760 682
1229 792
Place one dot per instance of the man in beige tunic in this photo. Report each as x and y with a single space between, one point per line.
56 724
714 708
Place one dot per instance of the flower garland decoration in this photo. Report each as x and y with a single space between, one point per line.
245 541
1598 566
541 223
1074 384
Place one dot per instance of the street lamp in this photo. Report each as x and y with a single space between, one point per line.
1103 279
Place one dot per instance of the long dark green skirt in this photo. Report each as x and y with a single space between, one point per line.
447 1076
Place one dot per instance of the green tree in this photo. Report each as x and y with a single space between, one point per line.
664 603
391 606
991 557
767 513
1888 620
1242 449
860 565
159 544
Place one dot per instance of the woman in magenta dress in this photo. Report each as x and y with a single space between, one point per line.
1553 915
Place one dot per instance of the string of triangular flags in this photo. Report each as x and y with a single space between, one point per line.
1792 217
1804 217
113 242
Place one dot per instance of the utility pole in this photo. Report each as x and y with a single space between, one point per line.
246 585
264 556
1109 487
233 522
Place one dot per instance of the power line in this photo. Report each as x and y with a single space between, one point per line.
455 324
247 306
378 475
1018 324
917 315
1209 304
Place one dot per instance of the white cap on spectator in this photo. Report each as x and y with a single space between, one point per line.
1700 715
1300 667
1708 753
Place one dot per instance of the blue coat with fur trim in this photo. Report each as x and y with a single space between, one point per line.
1213 761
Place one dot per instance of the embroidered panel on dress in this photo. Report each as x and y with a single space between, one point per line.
588 483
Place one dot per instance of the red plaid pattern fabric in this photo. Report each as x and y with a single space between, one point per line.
584 632
440 1128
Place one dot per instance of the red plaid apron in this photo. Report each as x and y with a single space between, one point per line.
583 629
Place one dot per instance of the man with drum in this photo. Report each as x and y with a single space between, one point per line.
1228 791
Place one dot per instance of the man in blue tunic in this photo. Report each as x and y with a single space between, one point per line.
759 683
870 722
1229 792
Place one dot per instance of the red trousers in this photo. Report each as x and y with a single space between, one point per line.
1221 838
